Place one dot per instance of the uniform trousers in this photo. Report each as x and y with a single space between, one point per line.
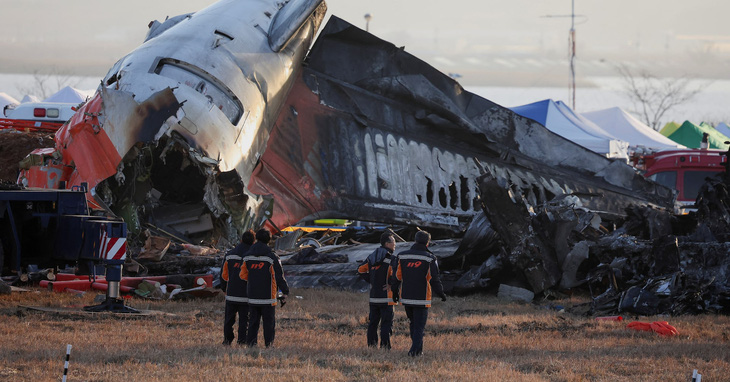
267 314
233 309
417 315
380 315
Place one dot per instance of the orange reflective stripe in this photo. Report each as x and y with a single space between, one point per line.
363 268
224 275
244 272
274 288
428 284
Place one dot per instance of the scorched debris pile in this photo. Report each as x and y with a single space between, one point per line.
653 262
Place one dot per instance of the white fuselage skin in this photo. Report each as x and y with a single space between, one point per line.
220 65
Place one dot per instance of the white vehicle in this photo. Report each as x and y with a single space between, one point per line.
41 111
37 116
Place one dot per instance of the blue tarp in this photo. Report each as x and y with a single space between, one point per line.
562 120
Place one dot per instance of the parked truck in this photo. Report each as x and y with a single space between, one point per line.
683 170
54 227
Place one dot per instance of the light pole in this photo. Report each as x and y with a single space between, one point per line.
367 22
571 48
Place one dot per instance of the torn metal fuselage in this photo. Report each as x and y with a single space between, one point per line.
370 131
181 121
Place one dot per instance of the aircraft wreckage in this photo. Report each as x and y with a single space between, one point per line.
225 119
218 122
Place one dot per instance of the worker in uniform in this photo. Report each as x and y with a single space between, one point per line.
376 271
236 293
262 270
416 275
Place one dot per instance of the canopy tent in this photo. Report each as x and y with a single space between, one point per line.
70 94
669 129
626 127
30 98
562 120
690 135
723 128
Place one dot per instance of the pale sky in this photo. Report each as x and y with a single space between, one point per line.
89 36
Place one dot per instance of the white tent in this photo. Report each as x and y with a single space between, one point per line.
562 120
5 100
723 128
625 127
30 98
70 95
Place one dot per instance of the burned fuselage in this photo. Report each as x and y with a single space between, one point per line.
370 131
219 112
185 117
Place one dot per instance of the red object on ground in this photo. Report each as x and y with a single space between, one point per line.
609 318
663 328
660 327
60 286
208 280
71 277
134 281
126 285
103 286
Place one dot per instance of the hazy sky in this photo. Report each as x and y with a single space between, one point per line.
91 35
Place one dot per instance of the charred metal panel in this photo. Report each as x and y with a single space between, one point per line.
527 251
370 131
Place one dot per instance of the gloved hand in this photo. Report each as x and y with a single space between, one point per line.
395 298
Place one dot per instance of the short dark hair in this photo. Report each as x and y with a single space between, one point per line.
247 237
422 237
385 238
263 235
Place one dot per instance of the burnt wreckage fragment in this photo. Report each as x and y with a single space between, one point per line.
654 263
372 132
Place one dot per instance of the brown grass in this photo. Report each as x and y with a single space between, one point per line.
322 337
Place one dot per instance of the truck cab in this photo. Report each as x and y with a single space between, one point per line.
683 170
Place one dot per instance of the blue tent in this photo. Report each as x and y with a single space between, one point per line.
562 120
723 128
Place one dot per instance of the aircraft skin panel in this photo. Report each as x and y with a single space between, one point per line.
372 132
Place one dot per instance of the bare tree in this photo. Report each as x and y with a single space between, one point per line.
47 83
654 96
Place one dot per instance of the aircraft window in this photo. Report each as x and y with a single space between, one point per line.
666 178
693 180
218 95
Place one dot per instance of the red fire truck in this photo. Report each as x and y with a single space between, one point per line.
683 170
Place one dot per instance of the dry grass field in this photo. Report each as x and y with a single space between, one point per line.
321 336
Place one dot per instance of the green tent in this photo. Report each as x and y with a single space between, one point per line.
669 129
690 135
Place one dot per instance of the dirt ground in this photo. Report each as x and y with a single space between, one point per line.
14 146
321 337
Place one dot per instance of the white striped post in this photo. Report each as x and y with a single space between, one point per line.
65 365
